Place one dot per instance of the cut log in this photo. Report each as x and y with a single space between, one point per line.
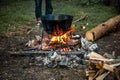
103 28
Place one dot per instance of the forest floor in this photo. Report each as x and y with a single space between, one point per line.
12 67
17 21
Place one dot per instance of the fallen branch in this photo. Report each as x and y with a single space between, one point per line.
44 52
81 18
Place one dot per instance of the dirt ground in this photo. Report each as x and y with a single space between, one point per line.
12 67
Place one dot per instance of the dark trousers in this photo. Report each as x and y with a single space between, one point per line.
38 8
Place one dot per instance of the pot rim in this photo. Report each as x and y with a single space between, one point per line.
52 17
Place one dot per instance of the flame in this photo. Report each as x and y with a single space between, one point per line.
53 41
59 37
57 31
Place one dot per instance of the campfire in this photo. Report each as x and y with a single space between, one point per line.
61 47
58 40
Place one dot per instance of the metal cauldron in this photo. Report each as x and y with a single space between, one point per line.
51 21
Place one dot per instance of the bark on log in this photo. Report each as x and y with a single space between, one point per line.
103 28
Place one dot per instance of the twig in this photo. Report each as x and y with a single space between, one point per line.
81 18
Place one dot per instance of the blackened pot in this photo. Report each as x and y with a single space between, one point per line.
53 22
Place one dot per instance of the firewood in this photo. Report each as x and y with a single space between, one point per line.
90 74
113 61
115 65
108 67
117 72
102 28
111 67
96 55
100 71
99 65
101 77
104 60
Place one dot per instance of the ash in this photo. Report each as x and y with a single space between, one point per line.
70 60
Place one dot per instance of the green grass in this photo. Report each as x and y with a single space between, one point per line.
21 12
16 13
96 13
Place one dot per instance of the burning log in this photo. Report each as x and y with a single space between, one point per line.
103 28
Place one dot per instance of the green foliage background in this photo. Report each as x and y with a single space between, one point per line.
14 13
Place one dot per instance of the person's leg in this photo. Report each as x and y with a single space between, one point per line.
38 9
49 8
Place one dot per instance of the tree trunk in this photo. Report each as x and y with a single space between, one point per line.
103 28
